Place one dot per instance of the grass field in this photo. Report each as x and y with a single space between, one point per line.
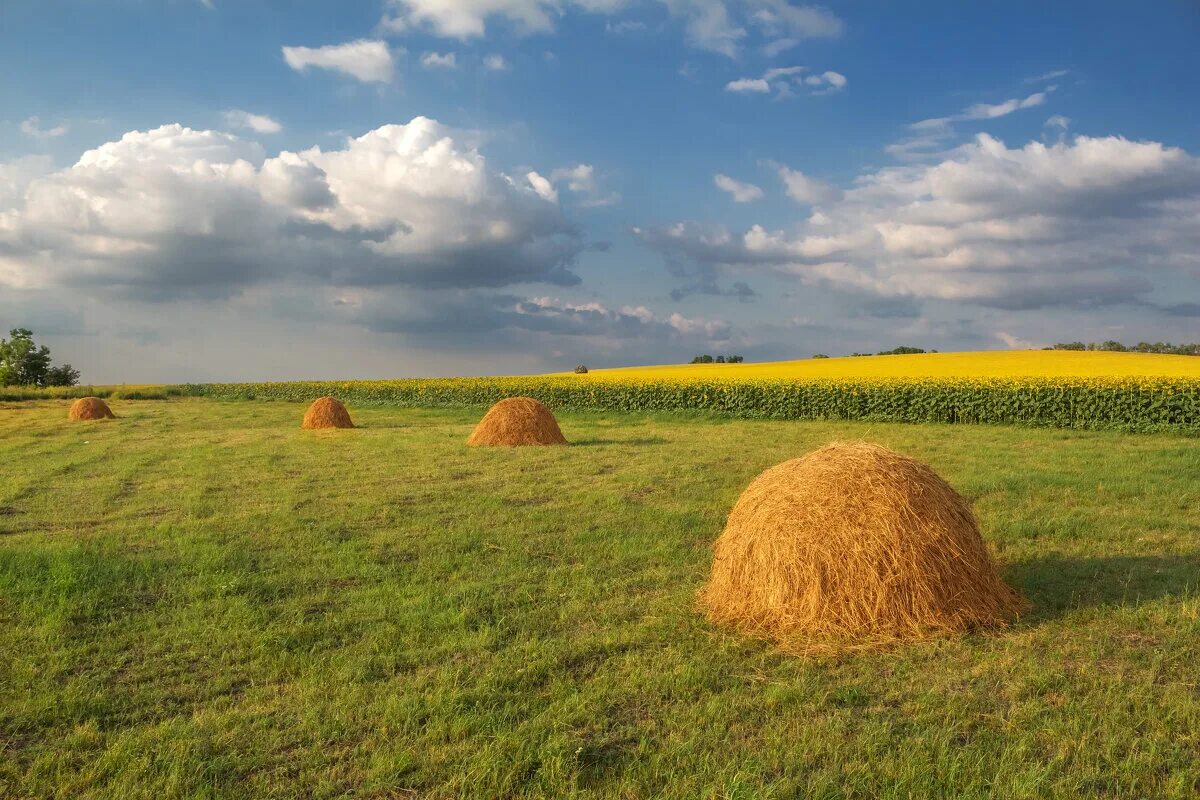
984 364
200 600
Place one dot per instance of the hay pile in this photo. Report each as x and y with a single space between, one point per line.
517 421
90 408
327 412
853 545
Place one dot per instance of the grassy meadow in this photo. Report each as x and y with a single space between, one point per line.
200 600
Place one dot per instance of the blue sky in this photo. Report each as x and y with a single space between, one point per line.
399 187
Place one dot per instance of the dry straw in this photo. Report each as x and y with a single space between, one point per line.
517 421
327 412
90 408
853 545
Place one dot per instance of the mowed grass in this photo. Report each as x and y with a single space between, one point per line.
201 600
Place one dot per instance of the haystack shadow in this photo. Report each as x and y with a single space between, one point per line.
648 440
1058 585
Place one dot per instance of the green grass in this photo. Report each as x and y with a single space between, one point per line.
200 600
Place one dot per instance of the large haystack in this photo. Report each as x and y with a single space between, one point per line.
517 421
851 545
326 412
90 408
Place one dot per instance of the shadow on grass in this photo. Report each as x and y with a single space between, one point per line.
1057 585
596 442
383 425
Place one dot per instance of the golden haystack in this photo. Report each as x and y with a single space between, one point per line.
90 408
853 545
517 421
327 412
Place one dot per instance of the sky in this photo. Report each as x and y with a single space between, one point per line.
197 190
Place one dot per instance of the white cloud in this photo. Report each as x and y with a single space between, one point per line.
595 318
782 72
543 187
985 111
174 212
716 25
784 79
1048 76
33 127
1058 121
804 189
741 192
367 60
930 138
259 123
828 79
466 19
748 85
581 180
772 49
439 61
781 18
1084 222
1015 342
495 62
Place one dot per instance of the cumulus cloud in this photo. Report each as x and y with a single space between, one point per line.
259 123
741 192
32 127
543 187
175 212
439 61
1080 223
804 189
580 180
716 25
367 60
784 81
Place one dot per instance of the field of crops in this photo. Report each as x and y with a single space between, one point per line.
1102 392
988 364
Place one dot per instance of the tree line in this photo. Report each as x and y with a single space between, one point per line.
1141 347
23 363
706 359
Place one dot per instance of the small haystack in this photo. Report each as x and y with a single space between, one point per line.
853 544
517 421
326 412
90 408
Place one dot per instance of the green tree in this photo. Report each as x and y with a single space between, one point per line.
23 363
62 375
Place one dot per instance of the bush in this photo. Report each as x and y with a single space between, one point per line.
580 369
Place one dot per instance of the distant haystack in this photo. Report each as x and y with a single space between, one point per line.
327 412
90 408
517 421
853 544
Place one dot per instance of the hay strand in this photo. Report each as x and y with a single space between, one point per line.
90 408
853 545
517 421
326 412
